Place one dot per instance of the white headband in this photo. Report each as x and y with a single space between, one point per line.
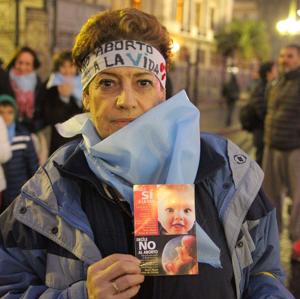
123 53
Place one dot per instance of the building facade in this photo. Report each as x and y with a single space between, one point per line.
50 25
16 23
270 12
192 23
246 10
44 25
197 65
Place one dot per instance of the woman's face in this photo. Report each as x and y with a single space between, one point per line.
24 64
117 96
67 68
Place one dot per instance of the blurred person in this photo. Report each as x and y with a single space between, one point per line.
231 93
62 98
294 285
23 162
281 161
23 84
254 78
21 81
69 233
252 114
267 75
5 155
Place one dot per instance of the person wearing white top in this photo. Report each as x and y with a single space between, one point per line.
5 153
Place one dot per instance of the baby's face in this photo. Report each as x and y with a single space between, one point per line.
176 214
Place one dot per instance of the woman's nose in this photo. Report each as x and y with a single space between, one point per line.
126 99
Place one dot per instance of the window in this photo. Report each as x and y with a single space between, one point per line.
179 11
136 4
173 10
212 18
198 15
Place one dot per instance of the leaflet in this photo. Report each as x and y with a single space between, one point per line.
164 229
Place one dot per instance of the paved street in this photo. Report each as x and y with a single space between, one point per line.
212 119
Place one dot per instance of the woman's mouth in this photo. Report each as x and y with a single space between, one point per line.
123 121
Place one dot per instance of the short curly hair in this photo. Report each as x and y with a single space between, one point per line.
128 23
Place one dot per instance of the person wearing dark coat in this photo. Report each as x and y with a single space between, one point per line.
21 81
231 93
267 73
62 98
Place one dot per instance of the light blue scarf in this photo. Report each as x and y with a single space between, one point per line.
57 79
24 82
162 146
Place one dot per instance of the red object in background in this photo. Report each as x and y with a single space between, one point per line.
294 285
296 251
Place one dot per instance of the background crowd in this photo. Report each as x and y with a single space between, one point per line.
30 108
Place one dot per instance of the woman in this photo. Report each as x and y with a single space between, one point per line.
62 96
22 82
74 218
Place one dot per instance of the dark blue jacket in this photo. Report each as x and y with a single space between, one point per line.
47 242
21 167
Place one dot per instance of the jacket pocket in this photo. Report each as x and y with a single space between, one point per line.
63 271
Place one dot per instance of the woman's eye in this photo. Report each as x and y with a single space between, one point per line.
106 83
169 210
145 83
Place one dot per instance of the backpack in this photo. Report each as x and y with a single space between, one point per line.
249 118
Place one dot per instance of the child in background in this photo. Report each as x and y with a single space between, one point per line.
24 161
176 209
62 98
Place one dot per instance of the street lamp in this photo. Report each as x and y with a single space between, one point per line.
291 25
175 47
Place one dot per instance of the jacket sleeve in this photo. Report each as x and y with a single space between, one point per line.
31 159
19 280
266 277
22 268
5 151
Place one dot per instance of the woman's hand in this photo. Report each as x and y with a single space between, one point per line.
117 276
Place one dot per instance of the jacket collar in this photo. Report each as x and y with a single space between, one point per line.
76 165
210 162
292 74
